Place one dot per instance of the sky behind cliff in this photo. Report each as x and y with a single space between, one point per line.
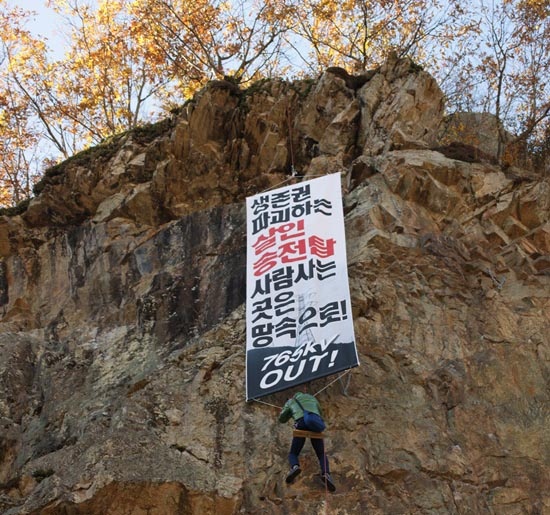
45 22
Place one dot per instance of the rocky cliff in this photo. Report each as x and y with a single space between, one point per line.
122 330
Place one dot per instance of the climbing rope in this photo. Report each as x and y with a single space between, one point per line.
339 378
332 382
288 179
290 136
278 184
345 388
326 484
268 404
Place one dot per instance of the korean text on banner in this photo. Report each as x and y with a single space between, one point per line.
298 313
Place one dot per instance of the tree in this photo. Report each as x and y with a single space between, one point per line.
506 68
17 141
532 81
18 133
215 39
109 76
110 83
359 34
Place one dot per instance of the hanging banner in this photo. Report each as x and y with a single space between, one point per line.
298 312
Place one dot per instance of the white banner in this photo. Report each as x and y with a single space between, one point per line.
299 324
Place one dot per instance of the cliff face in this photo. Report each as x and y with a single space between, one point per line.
122 331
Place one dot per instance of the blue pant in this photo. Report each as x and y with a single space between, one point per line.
298 443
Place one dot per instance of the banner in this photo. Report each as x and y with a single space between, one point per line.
298 313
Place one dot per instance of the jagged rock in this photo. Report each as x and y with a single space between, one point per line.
402 109
477 130
123 325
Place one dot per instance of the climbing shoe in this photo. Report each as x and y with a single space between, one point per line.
294 471
327 482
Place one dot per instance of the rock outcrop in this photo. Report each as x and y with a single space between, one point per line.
122 330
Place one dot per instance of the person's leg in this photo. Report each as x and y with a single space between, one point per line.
319 448
297 444
295 449
293 456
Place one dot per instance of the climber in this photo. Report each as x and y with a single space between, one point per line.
294 408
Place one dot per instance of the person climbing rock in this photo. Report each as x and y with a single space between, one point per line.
294 408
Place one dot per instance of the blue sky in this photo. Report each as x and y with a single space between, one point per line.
45 23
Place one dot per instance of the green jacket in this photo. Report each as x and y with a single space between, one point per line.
291 408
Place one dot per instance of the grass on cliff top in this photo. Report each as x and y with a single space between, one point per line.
105 150
143 134
21 207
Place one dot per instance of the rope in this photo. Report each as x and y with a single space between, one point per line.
268 404
317 175
278 184
345 388
289 179
332 382
326 484
292 168
315 395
